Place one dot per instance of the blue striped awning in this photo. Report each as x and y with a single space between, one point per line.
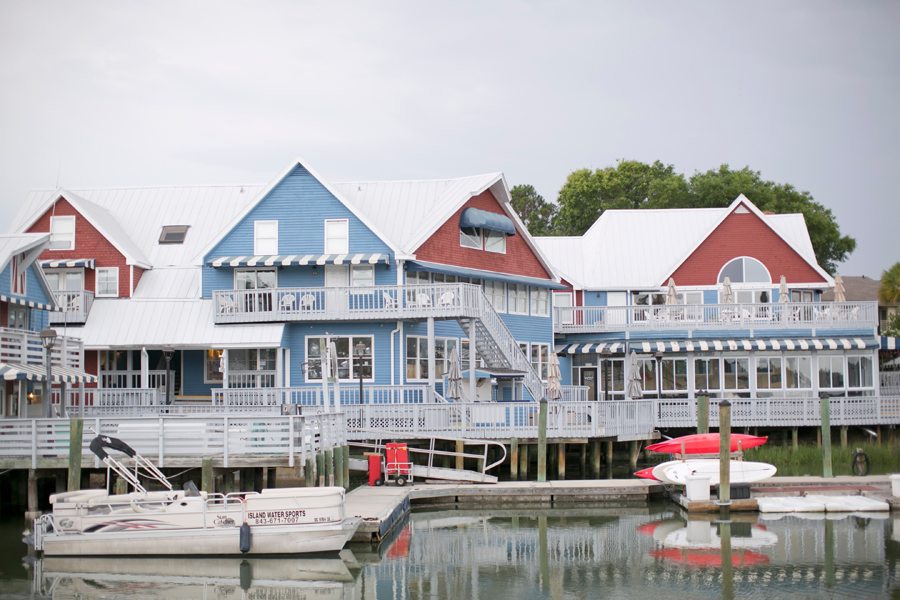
30 303
889 343
286 260
591 348
755 344
13 371
75 262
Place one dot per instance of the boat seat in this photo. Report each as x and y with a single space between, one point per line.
76 496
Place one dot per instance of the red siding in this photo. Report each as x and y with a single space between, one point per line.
743 235
138 272
89 243
4 314
443 246
92 365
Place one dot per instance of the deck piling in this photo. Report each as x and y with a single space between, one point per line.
346 452
460 460
76 429
206 475
561 460
825 407
523 462
795 437
514 459
844 436
595 458
703 414
609 455
632 455
329 467
310 473
339 467
33 512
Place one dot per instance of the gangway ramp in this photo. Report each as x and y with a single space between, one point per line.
429 470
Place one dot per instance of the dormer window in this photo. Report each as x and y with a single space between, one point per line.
62 233
173 234
470 237
483 230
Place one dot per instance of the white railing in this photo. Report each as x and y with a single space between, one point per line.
574 393
451 300
24 347
251 379
313 396
773 315
890 379
76 307
222 437
129 379
783 412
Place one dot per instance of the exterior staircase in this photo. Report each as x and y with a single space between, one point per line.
499 349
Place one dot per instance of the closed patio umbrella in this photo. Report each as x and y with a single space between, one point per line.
454 377
727 294
671 297
554 390
784 298
634 389
839 292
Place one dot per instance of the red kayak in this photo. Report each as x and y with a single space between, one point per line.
706 443
646 474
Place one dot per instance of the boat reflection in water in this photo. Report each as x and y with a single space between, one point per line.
699 542
187 578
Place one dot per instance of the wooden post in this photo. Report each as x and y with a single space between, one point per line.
825 407
346 450
795 437
724 455
561 460
844 436
121 486
339 467
583 460
703 414
309 479
542 442
460 460
76 430
595 458
206 475
320 469
329 467
632 455
523 462
61 481
609 455
33 512
513 459
228 481
878 435
784 438
818 437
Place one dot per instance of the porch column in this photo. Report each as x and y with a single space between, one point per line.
287 367
23 399
279 367
431 360
145 369
225 369
472 382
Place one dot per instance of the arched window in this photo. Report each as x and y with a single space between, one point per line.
745 270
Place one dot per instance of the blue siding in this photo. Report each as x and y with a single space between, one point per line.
594 298
33 289
710 296
295 276
192 375
381 347
300 204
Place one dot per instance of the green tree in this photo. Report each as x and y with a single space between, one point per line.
537 214
632 184
889 290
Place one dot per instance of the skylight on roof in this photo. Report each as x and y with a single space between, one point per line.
173 234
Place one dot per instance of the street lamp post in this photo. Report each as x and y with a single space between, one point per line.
48 339
168 353
360 352
659 378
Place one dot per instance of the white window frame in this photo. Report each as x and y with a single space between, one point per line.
352 358
494 241
97 282
441 365
206 367
262 244
706 376
55 236
256 270
496 293
61 275
469 241
337 236
769 389
539 297
832 359
643 363
358 269
516 294
662 370
568 320
861 357
541 362
799 358
736 389
744 259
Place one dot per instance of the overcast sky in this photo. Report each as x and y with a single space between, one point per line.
103 94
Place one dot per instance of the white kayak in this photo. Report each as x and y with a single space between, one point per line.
742 471
659 470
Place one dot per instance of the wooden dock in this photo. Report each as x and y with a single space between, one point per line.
382 507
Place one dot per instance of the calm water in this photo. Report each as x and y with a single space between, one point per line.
589 551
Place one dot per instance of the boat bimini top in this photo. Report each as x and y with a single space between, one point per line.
142 466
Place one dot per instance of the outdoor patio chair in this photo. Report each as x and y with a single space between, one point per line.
226 304
307 302
389 301
446 299
854 313
288 302
822 315
423 300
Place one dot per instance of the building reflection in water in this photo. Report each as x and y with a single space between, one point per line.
500 553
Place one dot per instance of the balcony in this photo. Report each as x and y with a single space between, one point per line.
452 300
24 347
76 307
680 317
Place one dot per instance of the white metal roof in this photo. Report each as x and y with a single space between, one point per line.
405 210
182 324
169 283
136 216
639 249
12 244
566 254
